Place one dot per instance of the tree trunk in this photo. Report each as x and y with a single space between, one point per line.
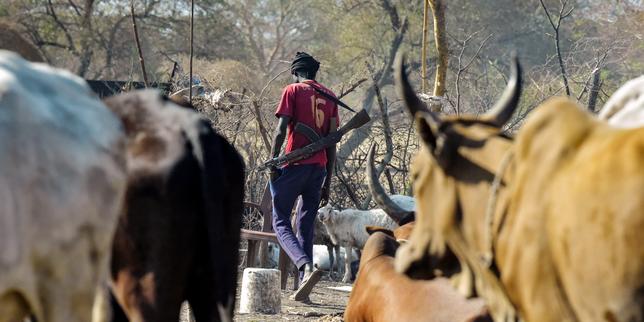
440 35
423 56
86 51
594 90
382 77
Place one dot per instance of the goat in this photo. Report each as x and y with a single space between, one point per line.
347 228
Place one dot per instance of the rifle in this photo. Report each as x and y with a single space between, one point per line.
355 122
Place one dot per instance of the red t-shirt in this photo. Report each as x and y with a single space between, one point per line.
304 104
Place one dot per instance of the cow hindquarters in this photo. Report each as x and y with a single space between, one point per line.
222 182
153 247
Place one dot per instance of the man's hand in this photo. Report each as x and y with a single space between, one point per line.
275 173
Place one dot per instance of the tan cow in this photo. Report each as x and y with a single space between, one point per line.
551 226
382 294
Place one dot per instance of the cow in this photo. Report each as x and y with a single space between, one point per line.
347 227
62 182
549 223
178 235
625 108
399 208
382 294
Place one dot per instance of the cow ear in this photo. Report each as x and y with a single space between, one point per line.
442 144
374 229
428 128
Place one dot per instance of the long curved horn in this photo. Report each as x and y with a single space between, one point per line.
413 104
504 108
378 192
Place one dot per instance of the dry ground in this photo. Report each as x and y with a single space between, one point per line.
327 305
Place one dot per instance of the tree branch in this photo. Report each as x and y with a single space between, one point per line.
138 47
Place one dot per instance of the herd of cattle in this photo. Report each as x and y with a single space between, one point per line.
122 209
545 226
114 209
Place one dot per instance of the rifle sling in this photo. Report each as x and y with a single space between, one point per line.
331 97
307 131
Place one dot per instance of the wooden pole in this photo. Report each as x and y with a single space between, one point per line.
192 33
138 45
440 36
424 48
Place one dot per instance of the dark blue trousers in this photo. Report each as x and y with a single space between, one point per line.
297 180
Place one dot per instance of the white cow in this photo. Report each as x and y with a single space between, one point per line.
62 179
625 108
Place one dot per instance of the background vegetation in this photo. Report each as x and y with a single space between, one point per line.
243 47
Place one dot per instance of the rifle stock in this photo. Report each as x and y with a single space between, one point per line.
355 122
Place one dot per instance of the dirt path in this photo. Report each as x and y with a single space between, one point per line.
327 305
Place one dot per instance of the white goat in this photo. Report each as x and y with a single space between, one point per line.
322 238
347 228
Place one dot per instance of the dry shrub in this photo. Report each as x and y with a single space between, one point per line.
11 39
221 74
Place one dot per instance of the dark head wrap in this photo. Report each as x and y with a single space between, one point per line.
304 61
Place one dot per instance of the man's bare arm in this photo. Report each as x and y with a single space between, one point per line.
280 135
330 164
278 140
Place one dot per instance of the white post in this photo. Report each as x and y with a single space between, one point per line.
260 292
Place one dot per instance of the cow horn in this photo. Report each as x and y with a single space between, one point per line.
378 192
504 108
406 92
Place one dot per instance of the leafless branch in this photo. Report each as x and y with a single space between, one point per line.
138 46
351 88
555 26
462 69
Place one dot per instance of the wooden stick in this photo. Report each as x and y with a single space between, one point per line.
440 36
192 33
138 45
423 56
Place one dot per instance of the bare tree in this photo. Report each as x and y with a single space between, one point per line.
381 77
463 67
140 51
440 35
564 12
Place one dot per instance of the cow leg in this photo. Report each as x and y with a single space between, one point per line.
347 264
116 313
13 307
203 304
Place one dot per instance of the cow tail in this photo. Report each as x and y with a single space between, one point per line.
223 178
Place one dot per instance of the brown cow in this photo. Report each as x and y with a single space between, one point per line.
550 225
382 294
178 236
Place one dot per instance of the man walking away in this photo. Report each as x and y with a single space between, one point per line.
314 116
